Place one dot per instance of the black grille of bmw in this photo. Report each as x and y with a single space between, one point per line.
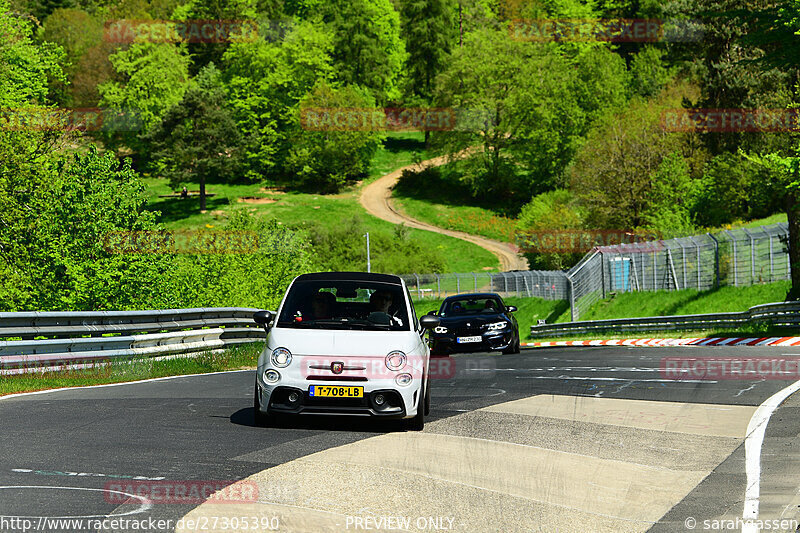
466 332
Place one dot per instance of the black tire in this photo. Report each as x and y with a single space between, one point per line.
260 419
428 397
516 345
418 422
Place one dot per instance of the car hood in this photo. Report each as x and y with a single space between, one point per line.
342 342
467 321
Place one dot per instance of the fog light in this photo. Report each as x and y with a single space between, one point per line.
293 397
403 379
379 399
272 376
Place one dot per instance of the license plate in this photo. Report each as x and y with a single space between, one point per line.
468 339
331 391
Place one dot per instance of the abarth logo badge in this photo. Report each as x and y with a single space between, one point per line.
337 367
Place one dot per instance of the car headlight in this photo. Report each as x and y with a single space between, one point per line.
440 329
496 325
396 360
281 357
403 380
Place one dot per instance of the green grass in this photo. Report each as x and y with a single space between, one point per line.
686 302
747 331
298 209
469 219
441 200
120 371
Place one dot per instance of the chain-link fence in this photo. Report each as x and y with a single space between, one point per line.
547 284
733 257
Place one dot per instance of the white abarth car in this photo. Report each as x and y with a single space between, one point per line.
344 343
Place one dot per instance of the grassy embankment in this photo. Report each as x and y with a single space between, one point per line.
298 209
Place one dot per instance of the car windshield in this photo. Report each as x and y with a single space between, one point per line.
471 306
355 305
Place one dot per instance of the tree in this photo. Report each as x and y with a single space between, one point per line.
368 50
428 28
517 100
155 76
198 139
325 160
56 245
786 169
265 83
615 172
76 32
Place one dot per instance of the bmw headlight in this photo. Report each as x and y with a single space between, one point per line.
281 357
440 329
396 360
496 325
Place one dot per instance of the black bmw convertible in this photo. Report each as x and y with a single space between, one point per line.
475 323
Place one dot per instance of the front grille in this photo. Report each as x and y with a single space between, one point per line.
332 377
467 332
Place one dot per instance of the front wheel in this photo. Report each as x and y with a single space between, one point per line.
260 419
418 422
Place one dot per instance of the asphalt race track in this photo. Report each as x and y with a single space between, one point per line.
558 439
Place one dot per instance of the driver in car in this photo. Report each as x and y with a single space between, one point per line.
379 303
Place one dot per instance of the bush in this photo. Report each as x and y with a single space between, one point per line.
343 247
733 188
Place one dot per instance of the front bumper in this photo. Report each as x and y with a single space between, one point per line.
490 341
399 402
277 401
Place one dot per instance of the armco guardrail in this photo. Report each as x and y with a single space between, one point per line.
66 339
777 314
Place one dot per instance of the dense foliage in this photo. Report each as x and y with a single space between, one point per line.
562 133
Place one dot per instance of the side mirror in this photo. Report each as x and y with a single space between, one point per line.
511 308
263 318
429 321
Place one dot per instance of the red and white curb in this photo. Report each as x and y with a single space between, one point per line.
704 341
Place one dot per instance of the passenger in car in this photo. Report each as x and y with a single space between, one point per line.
322 305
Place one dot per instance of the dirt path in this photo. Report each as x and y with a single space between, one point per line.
377 200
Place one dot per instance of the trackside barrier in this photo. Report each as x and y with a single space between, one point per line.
775 314
31 341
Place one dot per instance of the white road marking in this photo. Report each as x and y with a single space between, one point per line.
752 450
17 395
143 506
590 378
84 474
